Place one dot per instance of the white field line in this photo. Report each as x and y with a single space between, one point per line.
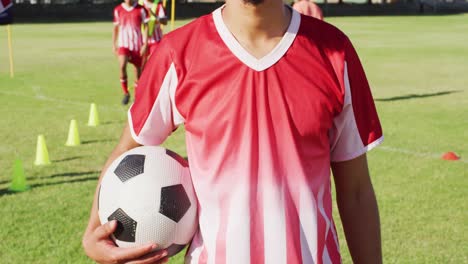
40 97
415 153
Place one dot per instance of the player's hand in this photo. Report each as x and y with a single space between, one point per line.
163 20
115 50
143 50
99 247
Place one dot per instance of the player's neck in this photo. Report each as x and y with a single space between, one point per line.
258 28
129 3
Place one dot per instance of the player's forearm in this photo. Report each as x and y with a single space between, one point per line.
145 34
360 218
126 143
115 33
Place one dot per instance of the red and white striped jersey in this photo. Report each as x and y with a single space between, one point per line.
130 20
156 33
260 135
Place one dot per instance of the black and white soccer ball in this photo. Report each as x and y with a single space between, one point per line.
149 191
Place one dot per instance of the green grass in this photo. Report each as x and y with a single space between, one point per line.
417 67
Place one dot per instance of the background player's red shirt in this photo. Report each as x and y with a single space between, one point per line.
260 135
130 20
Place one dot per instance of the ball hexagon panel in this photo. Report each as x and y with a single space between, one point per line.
130 166
126 226
174 202
186 227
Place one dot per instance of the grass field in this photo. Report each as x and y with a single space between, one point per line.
417 66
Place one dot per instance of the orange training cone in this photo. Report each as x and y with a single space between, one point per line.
450 156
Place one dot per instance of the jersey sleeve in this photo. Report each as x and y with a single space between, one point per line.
116 16
356 129
144 15
153 115
161 13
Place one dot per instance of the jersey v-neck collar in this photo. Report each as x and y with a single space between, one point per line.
127 8
244 56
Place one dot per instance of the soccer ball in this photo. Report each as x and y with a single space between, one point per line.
149 191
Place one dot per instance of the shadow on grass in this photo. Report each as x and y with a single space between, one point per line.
113 122
97 141
72 174
67 159
5 191
414 96
37 185
4 181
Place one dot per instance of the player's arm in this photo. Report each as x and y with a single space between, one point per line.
96 241
358 209
115 33
145 39
145 31
161 16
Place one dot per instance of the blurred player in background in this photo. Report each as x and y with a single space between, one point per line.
308 8
157 18
129 40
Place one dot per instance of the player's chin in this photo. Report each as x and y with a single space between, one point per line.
253 2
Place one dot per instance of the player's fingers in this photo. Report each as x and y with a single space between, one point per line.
152 258
132 254
105 230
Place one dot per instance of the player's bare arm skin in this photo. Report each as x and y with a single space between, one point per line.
358 210
145 41
115 33
96 242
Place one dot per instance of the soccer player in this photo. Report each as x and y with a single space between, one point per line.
270 100
157 18
308 8
129 41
